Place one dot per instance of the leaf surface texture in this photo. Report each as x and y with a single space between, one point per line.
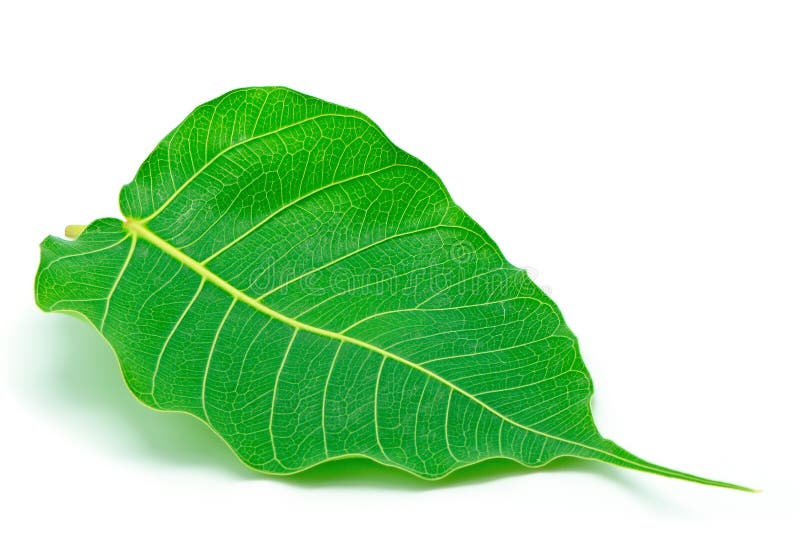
309 290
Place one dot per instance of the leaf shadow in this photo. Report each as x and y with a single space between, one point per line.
361 472
74 375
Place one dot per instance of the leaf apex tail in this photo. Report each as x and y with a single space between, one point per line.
621 457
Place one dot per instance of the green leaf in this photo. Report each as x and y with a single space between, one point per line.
310 291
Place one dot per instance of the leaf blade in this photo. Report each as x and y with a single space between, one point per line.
233 247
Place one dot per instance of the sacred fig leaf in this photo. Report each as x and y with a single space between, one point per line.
311 292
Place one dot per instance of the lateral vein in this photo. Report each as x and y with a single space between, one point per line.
138 228
227 149
116 282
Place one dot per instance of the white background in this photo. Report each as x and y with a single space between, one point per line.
641 158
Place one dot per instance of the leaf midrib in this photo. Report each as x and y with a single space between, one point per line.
140 230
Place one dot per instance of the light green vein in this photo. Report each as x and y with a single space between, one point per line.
138 228
170 336
211 355
294 202
116 282
227 149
